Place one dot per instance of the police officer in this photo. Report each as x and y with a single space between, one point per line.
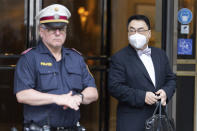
50 80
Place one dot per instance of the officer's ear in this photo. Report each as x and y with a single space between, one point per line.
41 30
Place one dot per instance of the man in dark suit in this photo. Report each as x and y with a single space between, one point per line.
139 76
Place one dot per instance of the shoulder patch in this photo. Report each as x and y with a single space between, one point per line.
76 51
24 52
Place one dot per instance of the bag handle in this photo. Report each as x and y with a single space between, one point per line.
156 109
159 108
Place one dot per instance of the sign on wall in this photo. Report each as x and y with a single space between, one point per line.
184 46
184 16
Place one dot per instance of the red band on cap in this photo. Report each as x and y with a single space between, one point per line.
53 18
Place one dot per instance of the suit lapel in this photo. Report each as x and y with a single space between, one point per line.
132 52
156 61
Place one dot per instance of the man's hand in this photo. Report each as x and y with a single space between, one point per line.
67 100
77 99
151 98
162 96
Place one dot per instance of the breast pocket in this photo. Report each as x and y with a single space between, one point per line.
48 80
74 78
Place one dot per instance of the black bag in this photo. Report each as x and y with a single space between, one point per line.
159 121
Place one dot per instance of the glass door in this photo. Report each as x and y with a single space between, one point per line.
12 43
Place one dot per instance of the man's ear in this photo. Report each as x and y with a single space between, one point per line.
149 34
41 32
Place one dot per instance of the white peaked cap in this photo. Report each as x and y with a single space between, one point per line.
54 13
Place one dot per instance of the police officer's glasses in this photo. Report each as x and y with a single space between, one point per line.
54 30
140 31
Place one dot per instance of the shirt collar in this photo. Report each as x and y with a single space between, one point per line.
44 50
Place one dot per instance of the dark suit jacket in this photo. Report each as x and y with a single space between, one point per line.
129 81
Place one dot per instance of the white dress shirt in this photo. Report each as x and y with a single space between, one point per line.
148 63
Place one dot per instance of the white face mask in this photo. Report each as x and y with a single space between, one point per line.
138 41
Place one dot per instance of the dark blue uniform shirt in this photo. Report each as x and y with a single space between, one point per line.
39 70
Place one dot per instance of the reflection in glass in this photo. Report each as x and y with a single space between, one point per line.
12 43
12 34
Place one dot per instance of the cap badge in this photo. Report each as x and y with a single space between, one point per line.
56 16
56 9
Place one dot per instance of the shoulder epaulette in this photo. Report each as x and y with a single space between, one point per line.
25 51
76 51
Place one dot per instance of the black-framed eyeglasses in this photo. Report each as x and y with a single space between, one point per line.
140 31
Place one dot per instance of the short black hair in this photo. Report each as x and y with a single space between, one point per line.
139 17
